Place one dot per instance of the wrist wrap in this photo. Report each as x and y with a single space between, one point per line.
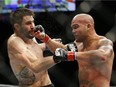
45 39
71 56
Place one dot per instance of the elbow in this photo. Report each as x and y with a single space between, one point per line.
103 58
35 69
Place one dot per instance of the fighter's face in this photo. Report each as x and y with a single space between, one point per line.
79 31
27 25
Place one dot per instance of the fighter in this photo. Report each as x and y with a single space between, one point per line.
94 53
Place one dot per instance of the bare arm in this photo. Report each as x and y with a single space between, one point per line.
101 54
52 45
22 53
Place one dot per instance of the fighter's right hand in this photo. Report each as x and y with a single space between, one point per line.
39 33
63 55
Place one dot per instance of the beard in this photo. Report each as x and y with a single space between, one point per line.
29 36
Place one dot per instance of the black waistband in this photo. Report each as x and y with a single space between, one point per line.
50 85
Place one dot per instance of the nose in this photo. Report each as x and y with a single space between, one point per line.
32 25
73 30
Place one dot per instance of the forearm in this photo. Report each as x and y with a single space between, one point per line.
39 33
52 45
43 64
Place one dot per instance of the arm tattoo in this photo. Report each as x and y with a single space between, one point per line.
26 77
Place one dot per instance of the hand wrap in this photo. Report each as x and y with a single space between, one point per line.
63 55
40 33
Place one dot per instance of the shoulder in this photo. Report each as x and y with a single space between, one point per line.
14 39
105 41
15 43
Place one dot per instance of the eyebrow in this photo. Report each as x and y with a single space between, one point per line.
74 25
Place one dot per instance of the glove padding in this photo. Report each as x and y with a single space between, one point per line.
39 28
63 55
39 32
72 47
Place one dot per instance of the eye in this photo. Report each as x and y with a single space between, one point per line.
75 26
29 22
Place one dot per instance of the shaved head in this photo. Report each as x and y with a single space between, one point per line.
83 18
82 26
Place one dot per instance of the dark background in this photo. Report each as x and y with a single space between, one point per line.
57 25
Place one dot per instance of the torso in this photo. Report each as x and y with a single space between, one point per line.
94 74
25 76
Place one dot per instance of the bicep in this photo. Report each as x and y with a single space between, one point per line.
18 51
106 50
106 47
101 54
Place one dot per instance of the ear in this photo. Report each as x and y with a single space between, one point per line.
16 26
88 25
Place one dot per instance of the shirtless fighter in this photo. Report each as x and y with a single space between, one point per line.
95 53
25 55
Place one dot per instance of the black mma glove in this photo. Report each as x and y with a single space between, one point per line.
39 33
63 55
72 47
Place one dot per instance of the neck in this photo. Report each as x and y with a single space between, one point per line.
89 39
25 39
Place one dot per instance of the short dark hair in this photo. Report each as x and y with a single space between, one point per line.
18 14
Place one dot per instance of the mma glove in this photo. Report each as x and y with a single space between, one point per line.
72 47
64 55
68 54
39 33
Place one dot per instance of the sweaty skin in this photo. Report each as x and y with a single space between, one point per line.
95 71
26 76
26 56
95 53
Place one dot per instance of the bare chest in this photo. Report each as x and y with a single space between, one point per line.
92 46
35 49
87 68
